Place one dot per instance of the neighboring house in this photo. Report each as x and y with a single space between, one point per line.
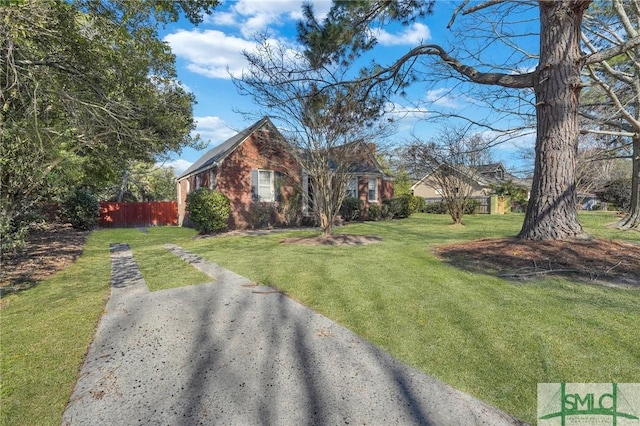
481 178
255 166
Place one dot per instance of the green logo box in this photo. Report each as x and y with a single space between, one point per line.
585 404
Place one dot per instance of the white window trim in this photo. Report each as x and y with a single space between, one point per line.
271 197
353 188
376 195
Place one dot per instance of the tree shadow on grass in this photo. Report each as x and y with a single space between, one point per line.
235 353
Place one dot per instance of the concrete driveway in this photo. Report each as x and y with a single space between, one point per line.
229 353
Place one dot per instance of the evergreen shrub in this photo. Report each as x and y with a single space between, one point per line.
81 209
208 210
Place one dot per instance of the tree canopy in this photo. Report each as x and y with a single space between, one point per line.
86 87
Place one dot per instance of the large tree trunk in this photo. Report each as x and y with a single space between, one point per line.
552 213
632 220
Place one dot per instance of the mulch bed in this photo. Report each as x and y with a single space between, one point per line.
49 249
605 262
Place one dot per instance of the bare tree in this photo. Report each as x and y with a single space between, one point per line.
616 113
598 164
452 158
327 125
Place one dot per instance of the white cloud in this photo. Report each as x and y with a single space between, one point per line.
179 165
213 129
221 18
443 98
210 52
253 16
415 34
215 54
405 113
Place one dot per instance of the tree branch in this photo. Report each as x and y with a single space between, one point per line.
603 55
607 132
520 81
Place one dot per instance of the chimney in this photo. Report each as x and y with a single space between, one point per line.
372 148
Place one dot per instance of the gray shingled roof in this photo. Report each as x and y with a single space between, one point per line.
217 154
484 174
220 152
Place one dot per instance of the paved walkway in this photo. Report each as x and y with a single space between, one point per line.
228 352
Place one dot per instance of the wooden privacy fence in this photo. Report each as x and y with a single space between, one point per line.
155 213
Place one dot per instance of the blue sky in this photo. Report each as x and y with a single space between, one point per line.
206 54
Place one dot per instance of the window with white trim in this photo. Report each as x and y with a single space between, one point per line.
265 186
373 189
352 187
212 179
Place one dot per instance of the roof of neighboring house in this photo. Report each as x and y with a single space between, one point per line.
217 154
485 175
489 168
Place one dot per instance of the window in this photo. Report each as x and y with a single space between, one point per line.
352 187
265 185
198 182
499 174
373 189
212 179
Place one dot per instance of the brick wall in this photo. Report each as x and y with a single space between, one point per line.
233 177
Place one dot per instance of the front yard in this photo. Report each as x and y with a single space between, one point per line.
482 334
493 338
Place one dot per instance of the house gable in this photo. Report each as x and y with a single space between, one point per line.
483 177
231 167
217 154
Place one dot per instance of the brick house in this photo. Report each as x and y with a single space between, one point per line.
255 167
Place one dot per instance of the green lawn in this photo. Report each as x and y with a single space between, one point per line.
46 330
490 337
493 338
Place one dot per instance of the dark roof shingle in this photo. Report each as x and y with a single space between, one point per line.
214 155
